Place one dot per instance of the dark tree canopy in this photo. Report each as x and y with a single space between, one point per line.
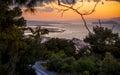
11 38
103 40
57 45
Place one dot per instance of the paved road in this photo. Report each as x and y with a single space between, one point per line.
41 71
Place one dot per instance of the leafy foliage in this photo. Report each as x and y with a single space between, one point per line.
61 63
12 43
57 45
86 73
102 40
16 51
55 62
109 65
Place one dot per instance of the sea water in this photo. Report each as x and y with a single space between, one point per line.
72 29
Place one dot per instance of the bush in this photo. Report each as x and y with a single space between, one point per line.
61 63
86 65
103 40
86 73
109 65
56 45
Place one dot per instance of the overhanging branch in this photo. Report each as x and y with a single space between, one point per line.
78 12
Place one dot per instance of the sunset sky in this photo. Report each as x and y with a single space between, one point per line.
104 10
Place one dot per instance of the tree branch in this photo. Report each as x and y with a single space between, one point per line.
64 11
81 14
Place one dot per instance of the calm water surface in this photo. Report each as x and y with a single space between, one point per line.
72 29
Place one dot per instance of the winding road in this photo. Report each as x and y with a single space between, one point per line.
41 71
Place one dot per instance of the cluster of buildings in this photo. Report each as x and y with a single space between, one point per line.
80 44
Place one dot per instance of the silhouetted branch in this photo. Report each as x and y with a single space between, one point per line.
78 12
100 23
85 23
113 27
64 11
92 9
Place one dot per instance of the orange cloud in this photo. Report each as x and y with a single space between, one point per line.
109 9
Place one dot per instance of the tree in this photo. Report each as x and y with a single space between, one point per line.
15 49
36 48
67 4
35 51
11 38
102 40
116 51
56 45
68 66
82 53
55 62
86 64
60 62
86 73
110 66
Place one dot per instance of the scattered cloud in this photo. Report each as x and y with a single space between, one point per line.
48 1
68 1
47 9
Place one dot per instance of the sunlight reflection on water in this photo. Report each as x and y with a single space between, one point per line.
75 30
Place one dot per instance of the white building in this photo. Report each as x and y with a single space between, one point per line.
79 44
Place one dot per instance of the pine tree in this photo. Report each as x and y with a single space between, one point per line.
11 38
103 40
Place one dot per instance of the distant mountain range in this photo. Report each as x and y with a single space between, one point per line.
116 20
93 21
106 22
